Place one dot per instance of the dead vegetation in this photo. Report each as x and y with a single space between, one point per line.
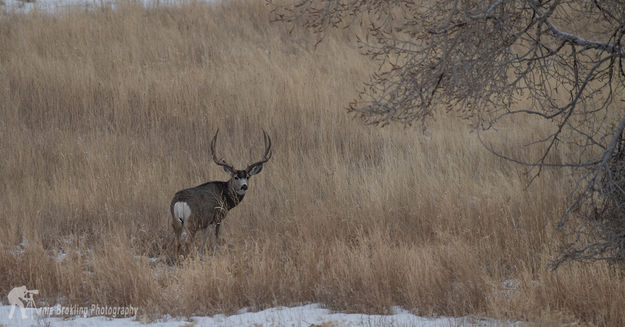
105 114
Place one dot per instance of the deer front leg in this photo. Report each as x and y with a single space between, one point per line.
217 240
221 214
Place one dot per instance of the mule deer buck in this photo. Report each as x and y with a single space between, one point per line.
196 208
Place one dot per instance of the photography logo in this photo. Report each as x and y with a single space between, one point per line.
23 298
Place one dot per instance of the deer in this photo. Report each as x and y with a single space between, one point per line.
194 209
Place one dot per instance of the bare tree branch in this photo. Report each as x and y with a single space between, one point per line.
560 61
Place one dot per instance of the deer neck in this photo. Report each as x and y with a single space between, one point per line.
232 198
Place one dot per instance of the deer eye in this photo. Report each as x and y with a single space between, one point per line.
236 177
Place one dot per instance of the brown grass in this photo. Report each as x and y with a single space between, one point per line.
105 114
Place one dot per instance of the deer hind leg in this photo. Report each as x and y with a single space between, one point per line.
176 241
181 213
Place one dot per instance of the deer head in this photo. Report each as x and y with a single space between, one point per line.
239 178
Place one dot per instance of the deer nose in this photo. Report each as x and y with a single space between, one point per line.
244 187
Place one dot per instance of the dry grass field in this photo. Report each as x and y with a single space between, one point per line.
105 114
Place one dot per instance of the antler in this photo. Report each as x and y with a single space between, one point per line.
220 162
267 154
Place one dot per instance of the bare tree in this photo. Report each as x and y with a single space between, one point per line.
559 61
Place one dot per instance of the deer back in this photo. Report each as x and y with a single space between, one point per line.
208 203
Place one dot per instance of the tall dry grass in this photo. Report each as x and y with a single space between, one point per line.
107 113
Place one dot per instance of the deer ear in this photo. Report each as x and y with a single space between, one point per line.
226 169
256 169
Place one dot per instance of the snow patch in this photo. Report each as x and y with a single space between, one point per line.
53 6
305 315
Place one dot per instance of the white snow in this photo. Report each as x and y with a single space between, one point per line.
52 6
305 315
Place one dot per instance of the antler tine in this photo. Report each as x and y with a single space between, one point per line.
267 154
220 162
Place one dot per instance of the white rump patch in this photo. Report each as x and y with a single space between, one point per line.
182 211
